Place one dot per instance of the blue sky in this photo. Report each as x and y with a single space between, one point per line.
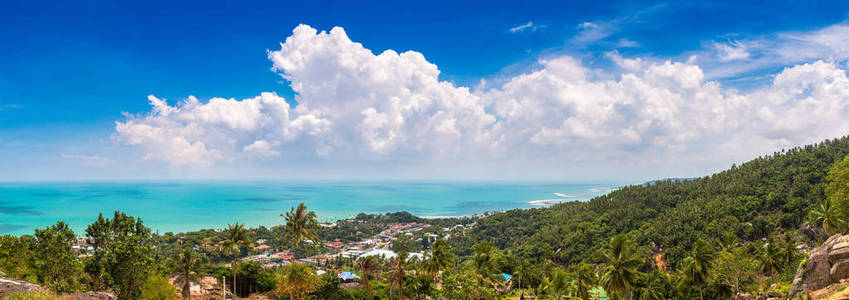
68 70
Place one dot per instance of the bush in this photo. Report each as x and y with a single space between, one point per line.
158 288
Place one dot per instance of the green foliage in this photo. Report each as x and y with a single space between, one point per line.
467 285
301 224
157 288
123 255
837 189
55 264
297 280
736 269
254 279
620 263
16 257
32 296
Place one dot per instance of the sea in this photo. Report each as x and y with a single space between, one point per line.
188 206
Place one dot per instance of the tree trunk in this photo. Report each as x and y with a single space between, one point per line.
234 277
187 289
702 297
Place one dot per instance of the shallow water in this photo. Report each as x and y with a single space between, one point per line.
188 206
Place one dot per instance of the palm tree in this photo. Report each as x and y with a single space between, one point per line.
788 249
559 285
585 279
235 236
828 216
620 265
652 290
188 264
485 259
697 265
368 265
301 224
440 259
297 280
397 272
771 258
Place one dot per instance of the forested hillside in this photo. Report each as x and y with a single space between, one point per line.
758 199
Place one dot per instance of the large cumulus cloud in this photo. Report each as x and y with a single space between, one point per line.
354 104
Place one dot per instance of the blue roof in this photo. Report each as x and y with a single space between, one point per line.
506 276
348 276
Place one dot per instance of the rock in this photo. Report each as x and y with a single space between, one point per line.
8 286
840 269
744 297
808 231
827 264
773 294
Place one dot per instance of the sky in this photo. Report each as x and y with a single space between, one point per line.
438 90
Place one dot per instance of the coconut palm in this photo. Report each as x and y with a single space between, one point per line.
397 272
829 217
439 259
235 236
585 279
188 264
485 259
620 262
788 249
771 258
368 265
301 224
559 285
697 265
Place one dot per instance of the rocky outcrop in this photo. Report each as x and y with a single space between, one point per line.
827 264
9 286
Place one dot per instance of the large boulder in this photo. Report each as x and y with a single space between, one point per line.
827 264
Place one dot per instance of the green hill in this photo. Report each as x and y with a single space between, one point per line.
744 203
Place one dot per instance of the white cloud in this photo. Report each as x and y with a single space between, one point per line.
355 105
522 27
731 51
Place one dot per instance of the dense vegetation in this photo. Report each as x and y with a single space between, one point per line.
732 232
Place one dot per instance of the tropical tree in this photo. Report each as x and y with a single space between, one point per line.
771 259
301 224
620 262
297 280
585 279
697 266
235 236
558 285
735 268
485 259
439 259
188 265
54 260
837 189
368 265
123 257
788 249
829 216
398 266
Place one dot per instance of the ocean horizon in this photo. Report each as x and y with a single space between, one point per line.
194 205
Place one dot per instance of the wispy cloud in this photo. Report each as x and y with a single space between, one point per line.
10 106
751 56
92 160
530 26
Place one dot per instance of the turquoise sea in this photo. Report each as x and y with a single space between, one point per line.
186 206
